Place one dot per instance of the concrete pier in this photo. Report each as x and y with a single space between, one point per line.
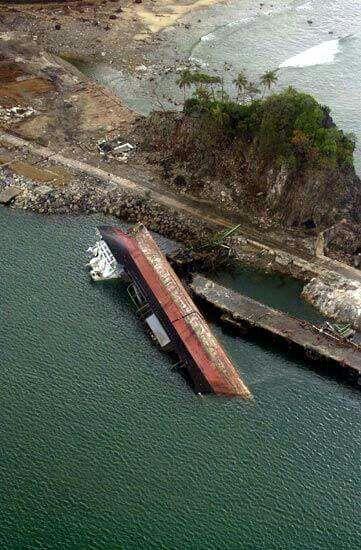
246 314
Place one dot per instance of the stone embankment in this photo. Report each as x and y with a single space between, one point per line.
96 197
249 316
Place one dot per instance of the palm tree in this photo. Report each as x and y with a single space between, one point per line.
252 90
241 83
204 80
268 79
188 78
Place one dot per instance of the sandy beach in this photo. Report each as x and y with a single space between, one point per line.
117 33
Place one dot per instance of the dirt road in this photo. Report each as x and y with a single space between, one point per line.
193 207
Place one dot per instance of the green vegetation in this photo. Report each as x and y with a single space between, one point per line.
288 127
268 79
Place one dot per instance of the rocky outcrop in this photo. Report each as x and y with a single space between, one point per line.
337 298
9 194
310 195
344 238
91 197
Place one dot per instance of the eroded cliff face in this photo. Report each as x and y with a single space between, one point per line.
310 196
233 174
345 238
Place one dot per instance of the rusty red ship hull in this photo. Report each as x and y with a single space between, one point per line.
206 361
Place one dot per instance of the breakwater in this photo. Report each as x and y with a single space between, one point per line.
311 341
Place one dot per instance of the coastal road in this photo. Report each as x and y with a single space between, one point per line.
190 206
194 207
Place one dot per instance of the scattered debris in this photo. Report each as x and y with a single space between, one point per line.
43 190
342 330
16 113
115 148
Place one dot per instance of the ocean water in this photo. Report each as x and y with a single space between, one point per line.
315 44
105 446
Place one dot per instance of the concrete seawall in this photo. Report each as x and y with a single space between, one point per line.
246 314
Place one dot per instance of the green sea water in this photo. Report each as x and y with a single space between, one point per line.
104 445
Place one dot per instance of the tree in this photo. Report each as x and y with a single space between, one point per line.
200 80
203 81
268 79
252 90
185 80
241 83
202 94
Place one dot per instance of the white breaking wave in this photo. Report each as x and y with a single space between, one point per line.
323 54
305 7
208 37
238 21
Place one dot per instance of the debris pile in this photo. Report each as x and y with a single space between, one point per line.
115 148
14 114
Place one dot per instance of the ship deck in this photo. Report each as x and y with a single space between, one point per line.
208 364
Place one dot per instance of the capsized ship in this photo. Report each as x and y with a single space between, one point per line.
166 308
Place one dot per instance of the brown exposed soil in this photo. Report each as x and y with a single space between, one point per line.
69 110
10 72
20 93
56 175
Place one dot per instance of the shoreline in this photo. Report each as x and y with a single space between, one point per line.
81 112
116 33
331 286
165 14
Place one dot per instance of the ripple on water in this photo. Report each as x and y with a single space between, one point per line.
104 445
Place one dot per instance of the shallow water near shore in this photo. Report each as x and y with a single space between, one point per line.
105 446
315 44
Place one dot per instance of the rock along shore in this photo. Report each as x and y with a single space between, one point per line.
334 296
96 197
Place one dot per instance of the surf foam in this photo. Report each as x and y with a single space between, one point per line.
323 54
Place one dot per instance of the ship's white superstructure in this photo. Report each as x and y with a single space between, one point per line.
103 265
